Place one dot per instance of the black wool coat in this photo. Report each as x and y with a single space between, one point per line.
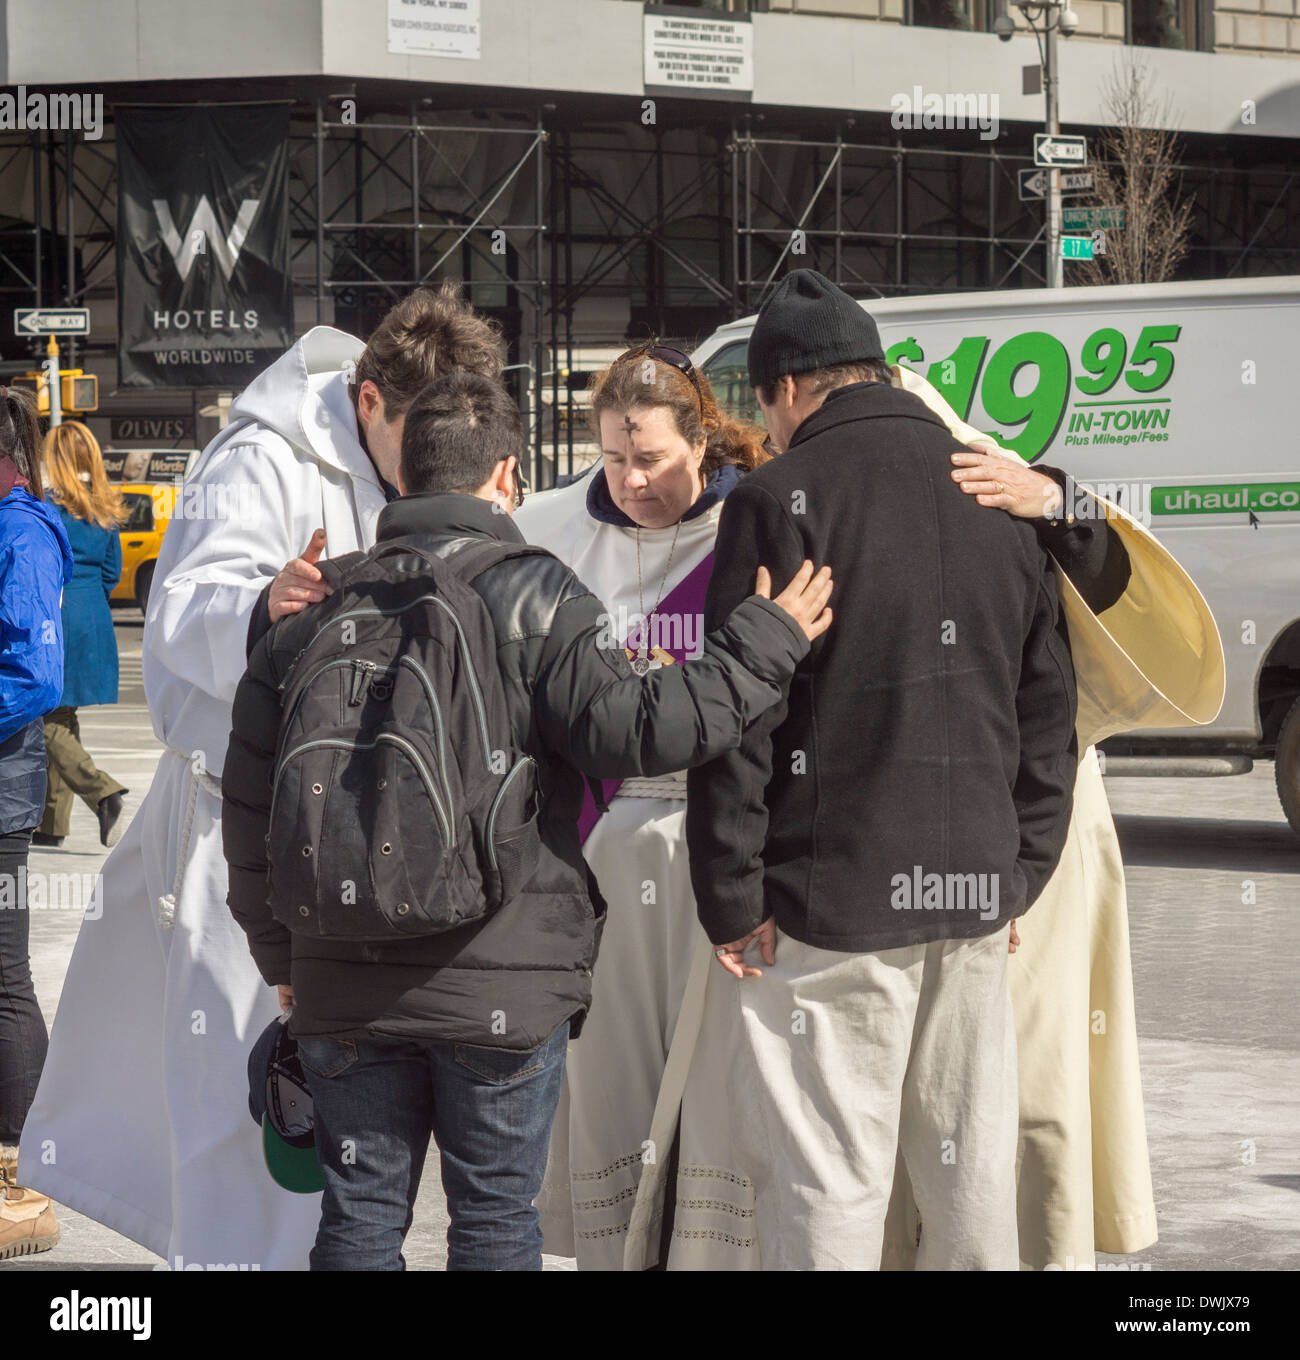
926 750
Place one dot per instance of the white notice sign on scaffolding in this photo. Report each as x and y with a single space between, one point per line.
434 28
684 53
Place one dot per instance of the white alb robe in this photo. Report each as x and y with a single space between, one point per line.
637 852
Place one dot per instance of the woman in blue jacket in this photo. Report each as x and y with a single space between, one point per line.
35 563
91 511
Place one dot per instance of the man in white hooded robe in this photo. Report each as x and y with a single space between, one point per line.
141 1120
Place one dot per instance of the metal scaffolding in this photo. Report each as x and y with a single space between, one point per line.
383 208
884 219
877 218
579 229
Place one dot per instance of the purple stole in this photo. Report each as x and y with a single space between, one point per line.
685 598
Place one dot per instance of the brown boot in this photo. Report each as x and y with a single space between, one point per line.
27 1222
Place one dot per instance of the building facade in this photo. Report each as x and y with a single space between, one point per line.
591 176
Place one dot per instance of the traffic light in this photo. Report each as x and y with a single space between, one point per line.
78 391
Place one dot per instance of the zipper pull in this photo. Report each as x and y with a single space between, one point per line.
289 674
361 674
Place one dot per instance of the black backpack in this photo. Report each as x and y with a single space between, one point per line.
400 805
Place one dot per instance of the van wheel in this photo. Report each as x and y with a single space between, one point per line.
1286 766
143 580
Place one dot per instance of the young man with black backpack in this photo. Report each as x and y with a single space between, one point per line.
400 804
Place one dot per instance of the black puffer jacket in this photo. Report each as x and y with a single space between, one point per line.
575 706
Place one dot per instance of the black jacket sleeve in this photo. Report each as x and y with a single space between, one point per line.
1089 551
726 815
612 724
246 781
1046 710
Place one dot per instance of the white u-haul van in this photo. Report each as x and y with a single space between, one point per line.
1175 401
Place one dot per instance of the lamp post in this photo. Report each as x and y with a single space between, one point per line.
1057 17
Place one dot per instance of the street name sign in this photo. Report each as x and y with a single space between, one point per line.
1090 219
1076 247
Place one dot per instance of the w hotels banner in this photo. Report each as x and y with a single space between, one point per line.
204 296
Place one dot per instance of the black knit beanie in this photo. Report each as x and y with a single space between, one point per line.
809 323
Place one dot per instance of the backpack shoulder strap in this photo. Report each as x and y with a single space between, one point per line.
399 548
336 569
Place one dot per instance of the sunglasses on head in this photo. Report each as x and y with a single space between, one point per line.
521 483
674 358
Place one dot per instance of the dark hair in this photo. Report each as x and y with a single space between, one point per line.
837 375
427 334
457 430
644 382
20 436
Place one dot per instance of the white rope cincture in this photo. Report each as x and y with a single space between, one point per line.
167 902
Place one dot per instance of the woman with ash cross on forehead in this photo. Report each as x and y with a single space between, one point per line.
639 532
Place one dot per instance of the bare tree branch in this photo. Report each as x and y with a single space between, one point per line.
1136 170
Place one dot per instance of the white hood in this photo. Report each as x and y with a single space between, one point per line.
304 398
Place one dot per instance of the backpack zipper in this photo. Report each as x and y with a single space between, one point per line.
426 775
311 680
433 703
480 708
474 689
496 803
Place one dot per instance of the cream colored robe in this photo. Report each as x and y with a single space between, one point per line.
1153 659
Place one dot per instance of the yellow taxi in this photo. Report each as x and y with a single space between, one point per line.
150 497
148 510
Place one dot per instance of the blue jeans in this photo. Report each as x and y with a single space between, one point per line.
377 1102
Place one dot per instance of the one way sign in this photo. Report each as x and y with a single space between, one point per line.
1034 185
1052 150
51 321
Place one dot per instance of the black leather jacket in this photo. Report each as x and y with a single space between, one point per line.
509 981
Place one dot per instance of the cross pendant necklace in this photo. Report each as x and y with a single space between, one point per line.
641 663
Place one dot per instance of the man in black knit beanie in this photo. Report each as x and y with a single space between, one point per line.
908 800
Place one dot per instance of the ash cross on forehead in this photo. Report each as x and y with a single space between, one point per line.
630 425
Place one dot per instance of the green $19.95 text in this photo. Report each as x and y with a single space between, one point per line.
1104 359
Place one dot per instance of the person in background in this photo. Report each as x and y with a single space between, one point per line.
640 535
91 511
35 563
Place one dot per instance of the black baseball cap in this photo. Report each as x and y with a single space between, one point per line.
280 1103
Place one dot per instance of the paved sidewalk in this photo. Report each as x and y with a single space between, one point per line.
1214 977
